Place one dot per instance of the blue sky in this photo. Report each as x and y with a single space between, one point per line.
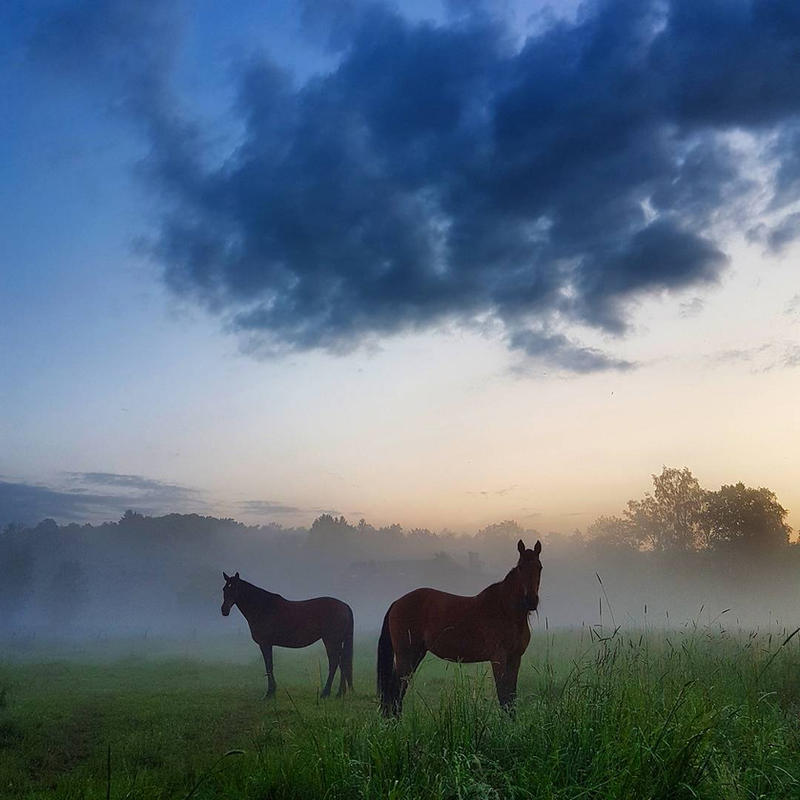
435 265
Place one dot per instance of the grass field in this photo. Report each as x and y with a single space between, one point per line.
690 713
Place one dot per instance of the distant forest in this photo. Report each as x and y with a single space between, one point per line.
681 554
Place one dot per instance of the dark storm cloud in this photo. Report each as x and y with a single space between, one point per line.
92 497
440 173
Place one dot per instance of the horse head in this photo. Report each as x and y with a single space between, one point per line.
230 592
529 568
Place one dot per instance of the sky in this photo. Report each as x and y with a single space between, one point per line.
434 264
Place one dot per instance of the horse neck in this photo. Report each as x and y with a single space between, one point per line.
509 594
251 599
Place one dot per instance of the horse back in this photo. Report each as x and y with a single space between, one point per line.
454 627
428 619
299 623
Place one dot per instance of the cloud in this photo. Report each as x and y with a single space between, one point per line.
135 483
267 507
791 356
441 173
271 508
494 492
762 358
692 308
557 350
28 503
784 233
93 497
737 355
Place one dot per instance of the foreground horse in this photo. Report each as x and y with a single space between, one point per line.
273 620
491 626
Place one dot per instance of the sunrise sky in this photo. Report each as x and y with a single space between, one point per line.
440 265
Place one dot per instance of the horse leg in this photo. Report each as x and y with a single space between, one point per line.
342 671
346 662
506 669
407 662
334 651
342 681
266 651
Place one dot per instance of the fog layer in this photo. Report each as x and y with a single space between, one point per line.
163 575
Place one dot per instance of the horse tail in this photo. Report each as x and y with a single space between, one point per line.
347 653
388 680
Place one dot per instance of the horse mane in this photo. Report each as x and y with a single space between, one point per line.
497 586
508 575
257 591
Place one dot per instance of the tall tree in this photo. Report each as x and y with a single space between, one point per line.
746 519
670 518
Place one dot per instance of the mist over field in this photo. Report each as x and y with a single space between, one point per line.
679 556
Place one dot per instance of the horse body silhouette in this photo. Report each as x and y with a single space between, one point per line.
276 621
491 626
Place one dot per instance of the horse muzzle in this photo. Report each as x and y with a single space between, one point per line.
532 603
225 611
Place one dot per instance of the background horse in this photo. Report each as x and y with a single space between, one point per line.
274 620
491 626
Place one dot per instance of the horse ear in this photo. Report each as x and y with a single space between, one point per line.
521 546
537 548
225 575
236 576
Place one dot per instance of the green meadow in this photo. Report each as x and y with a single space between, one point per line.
691 713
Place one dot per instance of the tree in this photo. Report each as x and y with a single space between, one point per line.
745 519
612 532
331 534
670 518
328 525
508 530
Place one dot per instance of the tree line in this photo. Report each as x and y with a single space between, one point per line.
673 549
679 515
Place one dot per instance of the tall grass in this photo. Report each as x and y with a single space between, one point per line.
646 716
601 714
